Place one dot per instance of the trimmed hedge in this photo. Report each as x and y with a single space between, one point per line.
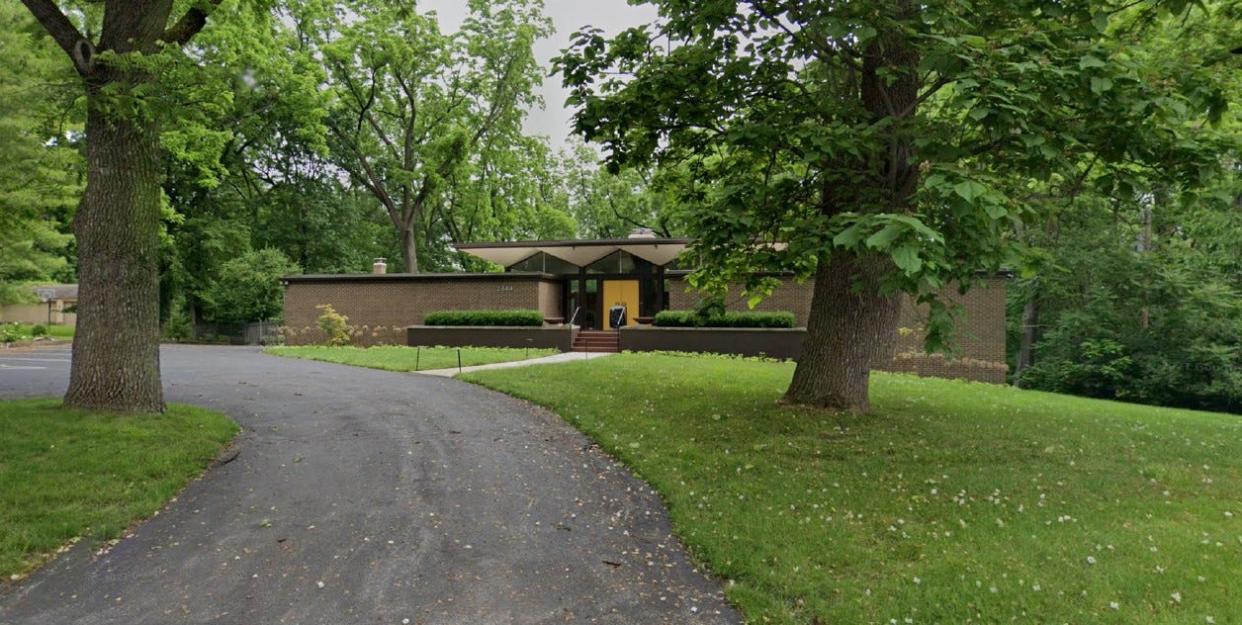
691 319
526 318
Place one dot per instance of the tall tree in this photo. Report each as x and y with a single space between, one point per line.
610 205
876 145
117 225
413 106
1132 288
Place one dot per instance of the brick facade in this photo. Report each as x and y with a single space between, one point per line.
980 329
380 307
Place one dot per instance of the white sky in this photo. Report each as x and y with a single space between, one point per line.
567 16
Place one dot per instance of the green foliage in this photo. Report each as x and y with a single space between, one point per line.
1157 322
953 502
532 318
609 205
40 134
249 287
12 333
694 319
399 358
1132 286
453 102
334 326
38 330
910 132
71 475
178 326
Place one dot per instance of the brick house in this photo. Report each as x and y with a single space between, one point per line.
577 282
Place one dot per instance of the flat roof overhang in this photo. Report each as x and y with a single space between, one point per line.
580 253
416 277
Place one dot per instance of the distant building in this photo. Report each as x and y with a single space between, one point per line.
56 306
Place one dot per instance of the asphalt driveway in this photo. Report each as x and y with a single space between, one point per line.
364 496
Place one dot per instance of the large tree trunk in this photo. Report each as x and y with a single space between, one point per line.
852 328
852 325
409 248
116 358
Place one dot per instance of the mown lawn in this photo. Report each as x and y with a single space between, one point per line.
68 474
395 358
952 503
53 331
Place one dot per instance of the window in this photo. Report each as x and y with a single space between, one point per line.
552 264
607 264
543 263
531 263
620 262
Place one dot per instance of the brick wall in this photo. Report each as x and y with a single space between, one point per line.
550 301
790 296
381 307
980 328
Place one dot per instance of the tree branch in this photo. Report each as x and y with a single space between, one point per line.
193 21
80 50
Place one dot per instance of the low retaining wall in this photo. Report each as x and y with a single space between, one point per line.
555 337
786 343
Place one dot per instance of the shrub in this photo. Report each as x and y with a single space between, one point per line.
335 326
531 318
248 288
11 333
692 319
38 330
178 326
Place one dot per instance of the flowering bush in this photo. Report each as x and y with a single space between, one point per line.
335 326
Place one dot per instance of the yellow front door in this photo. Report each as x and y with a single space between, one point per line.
621 293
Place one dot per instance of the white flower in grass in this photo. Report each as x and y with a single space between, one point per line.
1090 559
917 580
1177 597
1114 605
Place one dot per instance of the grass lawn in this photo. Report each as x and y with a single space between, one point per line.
66 474
53 331
952 503
394 358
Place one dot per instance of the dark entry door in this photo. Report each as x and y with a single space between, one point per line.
583 295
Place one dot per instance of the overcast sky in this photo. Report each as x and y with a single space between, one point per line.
568 16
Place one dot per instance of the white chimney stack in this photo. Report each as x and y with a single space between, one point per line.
380 266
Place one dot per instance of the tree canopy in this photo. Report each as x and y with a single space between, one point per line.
885 147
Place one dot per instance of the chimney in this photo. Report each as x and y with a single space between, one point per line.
380 266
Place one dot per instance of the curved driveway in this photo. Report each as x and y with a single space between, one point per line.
369 497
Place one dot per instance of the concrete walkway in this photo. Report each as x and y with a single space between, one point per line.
545 360
368 497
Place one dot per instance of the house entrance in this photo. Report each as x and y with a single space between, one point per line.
621 293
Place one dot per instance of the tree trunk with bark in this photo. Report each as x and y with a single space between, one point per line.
409 248
852 328
116 358
853 324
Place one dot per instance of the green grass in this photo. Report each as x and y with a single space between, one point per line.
952 503
53 331
394 358
69 474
